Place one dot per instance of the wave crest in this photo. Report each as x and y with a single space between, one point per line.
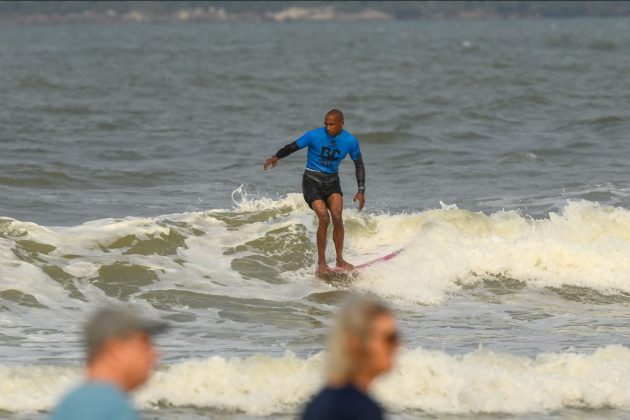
424 380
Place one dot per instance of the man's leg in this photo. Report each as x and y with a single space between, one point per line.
319 207
335 205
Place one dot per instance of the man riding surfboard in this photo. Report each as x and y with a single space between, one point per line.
327 147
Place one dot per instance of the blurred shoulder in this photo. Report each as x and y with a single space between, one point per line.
94 401
321 406
364 405
342 404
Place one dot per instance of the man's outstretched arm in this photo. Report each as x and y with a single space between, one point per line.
359 169
284 152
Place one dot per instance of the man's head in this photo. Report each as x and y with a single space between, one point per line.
119 346
333 122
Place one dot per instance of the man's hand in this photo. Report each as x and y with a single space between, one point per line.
360 198
271 162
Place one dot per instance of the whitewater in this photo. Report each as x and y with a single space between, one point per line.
265 245
432 381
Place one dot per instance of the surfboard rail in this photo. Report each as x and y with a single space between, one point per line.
359 267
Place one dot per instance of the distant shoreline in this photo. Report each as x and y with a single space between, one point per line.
291 13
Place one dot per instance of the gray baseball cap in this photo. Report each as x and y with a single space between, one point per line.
117 322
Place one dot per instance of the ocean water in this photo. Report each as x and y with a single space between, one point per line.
496 155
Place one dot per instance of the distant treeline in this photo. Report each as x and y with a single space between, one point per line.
264 9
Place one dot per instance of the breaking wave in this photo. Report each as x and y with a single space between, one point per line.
264 249
431 381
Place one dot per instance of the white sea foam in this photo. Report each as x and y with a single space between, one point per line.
584 245
433 381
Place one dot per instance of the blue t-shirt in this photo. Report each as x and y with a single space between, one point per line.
95 401
326 152
347 403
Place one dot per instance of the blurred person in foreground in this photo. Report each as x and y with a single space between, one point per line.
120 357
363 344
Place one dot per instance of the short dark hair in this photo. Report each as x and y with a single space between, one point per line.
336 113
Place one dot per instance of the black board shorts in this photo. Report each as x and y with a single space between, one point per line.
318 186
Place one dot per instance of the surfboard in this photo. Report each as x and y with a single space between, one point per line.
342 273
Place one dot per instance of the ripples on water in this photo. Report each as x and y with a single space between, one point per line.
132 138
126 120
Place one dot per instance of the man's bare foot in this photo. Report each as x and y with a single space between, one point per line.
322 268
341 263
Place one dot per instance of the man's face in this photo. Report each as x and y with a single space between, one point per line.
135 356
333 125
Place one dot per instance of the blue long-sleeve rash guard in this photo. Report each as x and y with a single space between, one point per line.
325 152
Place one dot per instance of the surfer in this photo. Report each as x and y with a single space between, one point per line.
327 147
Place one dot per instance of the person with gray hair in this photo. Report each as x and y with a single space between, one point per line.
362 345
120 357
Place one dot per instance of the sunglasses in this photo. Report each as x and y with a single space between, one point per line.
393 338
